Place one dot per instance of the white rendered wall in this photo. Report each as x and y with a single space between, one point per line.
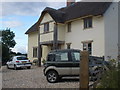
111 32
32 42
79 34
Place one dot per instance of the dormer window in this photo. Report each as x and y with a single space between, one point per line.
87 22
46 27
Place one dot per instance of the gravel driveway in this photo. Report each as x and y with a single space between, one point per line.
33 78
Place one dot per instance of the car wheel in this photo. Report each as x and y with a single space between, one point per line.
52 76
15 68
28 67
8 66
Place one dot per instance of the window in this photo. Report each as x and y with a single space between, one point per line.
46 27
87 22
22 58
76 56
88 47
68 45
69 27
61 56
51 57
35 52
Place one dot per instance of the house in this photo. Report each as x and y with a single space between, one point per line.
91 26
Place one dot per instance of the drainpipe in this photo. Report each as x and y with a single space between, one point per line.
55 37
39 48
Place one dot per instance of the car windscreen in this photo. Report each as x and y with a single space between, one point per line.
22 58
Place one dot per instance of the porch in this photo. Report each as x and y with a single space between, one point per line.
47 46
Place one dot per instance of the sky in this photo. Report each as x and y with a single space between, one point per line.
20 16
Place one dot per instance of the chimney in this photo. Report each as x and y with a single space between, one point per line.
69 2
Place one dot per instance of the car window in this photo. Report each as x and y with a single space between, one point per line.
51 57
76 56
22 58
61 56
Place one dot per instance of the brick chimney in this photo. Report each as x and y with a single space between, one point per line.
69 2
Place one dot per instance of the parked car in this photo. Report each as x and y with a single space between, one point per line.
19 62
62 63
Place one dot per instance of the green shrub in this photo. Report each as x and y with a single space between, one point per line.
110 79
43 61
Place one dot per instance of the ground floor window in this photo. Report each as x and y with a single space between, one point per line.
35 50
87 46
68 45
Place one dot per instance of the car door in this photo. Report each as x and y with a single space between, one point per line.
13 62
10 63
63 63
75 55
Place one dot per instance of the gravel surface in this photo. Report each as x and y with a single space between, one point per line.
33 78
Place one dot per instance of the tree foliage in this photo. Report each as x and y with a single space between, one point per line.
8 42
8 38
111 78
5 54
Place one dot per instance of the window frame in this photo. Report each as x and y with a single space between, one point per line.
46 27
88 22
87 47
69 27
35 52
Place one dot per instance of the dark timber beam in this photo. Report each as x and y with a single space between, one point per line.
39 49
55 41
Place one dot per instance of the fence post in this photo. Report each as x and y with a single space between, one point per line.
84 70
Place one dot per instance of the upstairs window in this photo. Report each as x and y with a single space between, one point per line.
69 27
46 27
87 22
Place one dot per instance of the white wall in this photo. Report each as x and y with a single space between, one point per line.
32 42
79 34
61 32
46 18
119 27
111 31
46 37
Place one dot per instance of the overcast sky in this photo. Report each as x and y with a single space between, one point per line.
20 16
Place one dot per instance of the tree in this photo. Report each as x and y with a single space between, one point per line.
5 54
18 53
8 38
8 42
